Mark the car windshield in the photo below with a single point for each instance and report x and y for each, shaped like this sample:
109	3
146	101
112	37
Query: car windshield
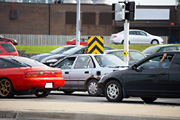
60	50
109	61
27	62
72	51
151	50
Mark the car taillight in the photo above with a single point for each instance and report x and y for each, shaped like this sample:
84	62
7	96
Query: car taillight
114	36
43	74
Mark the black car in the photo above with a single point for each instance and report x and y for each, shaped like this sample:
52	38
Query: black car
76	50
156	76
59	50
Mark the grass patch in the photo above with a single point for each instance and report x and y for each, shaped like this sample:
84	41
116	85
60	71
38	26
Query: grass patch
47	49
36	49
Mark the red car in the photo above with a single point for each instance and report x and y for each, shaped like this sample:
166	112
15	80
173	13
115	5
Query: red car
83	41
3	39
7	48
20	76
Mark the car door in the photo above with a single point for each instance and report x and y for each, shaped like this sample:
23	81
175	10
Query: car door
149	78
133	37
66	66
81	71
143	38
174	86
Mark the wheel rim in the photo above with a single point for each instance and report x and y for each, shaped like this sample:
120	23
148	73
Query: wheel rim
40	93
112	91
4	87
155	42
93	88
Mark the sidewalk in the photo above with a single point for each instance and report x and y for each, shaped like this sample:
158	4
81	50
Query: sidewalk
86	111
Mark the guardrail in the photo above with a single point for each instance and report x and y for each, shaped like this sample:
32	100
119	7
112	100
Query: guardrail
46	40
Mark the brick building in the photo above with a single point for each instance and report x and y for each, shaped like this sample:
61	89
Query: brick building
60	19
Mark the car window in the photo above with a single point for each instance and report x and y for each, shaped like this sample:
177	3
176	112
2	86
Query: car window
141	33
0	51
8	47
60	50
135	56
8	64
151	50
75	50
171	48
26	62
132	32
109	60
85	40
83	62
66	63
157	62
176	62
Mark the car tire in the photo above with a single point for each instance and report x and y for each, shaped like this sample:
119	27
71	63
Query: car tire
122	42
148	100
154	42
113	91
6	88
92	87
44	93
68	92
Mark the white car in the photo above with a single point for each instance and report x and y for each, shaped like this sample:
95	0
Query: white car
136	37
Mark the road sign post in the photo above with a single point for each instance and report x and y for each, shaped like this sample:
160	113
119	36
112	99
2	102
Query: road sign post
126	42
78	24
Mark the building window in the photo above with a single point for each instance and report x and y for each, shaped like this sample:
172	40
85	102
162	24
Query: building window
88	18
70	18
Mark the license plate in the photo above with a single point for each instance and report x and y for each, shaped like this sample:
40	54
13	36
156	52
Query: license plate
49	85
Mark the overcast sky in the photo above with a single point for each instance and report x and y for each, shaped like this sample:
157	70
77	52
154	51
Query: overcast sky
150	2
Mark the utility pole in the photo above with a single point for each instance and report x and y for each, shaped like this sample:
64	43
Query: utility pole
78	23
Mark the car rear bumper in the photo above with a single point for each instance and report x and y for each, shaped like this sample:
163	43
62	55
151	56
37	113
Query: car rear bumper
40	83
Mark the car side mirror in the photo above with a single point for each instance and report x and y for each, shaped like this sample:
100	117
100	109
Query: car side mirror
134	67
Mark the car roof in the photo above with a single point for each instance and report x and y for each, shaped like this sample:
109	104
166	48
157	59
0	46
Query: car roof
5	43
107	51
87	55
156	54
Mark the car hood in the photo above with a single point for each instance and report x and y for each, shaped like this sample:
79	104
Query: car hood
39	57
119	75
55	56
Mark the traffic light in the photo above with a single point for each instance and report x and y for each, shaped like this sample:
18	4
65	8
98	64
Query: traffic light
119	11
130	11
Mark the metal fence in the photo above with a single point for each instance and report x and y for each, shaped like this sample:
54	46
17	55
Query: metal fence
46	40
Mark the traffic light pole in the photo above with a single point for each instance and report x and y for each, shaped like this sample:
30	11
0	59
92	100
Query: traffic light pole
78	24
126	42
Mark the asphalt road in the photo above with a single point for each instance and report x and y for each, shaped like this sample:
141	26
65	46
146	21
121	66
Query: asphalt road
58	96
81	106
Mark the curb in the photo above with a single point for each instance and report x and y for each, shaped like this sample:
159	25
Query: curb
29	115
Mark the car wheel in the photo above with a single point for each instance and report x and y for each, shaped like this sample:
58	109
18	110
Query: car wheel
113	91
44	93
154	42
6	88
92	87
122	42
148	100
68	92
